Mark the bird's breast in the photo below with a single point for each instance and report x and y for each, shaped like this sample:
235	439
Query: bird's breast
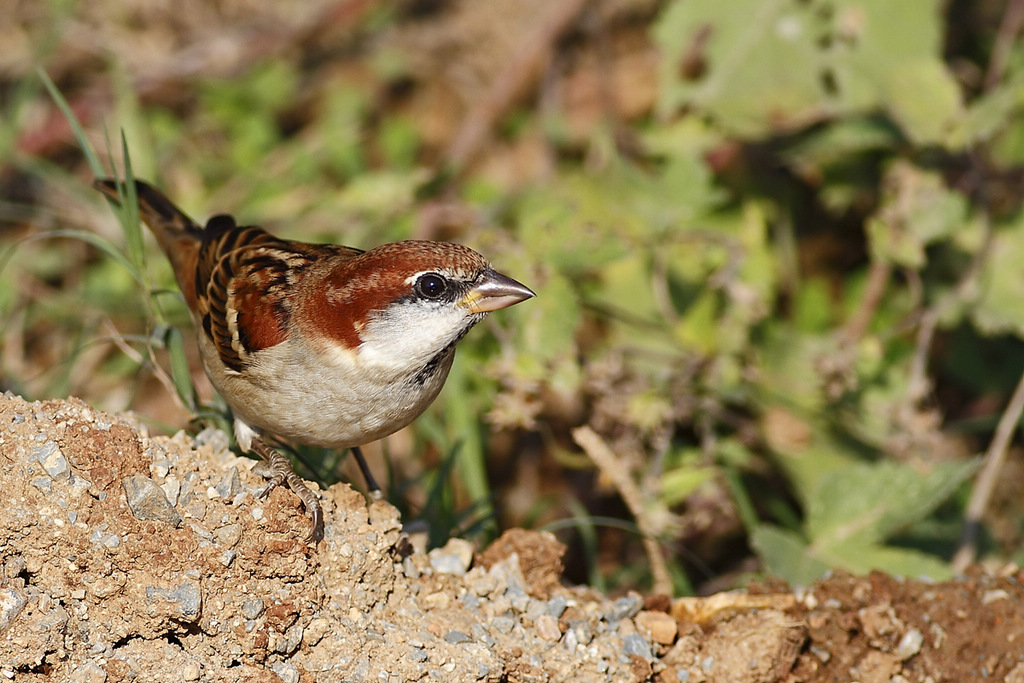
334	400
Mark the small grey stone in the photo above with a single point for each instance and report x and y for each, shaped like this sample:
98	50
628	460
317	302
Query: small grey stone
556	605
707	664
229	535
535	609
44	484
107	540
683	675
72	516
582	631
252	607
53	461
229	485
910	644
418	655
518	597
11	604
447	564
502	624
18	418
227	557
148	502
172	489
470	601
290	641
634	644
286	672
454	558
480	633
624	608
196	509
456	637
187	595
160	468
570	641
217	439
482	671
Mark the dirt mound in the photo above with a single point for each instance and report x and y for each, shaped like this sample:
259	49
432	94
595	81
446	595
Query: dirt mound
130	557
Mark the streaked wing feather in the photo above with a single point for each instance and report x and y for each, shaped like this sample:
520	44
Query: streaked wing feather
246	279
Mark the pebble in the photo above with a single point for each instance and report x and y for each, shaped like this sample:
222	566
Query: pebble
455	637
518	597
252	607
187	596
148	502
582	631
624	608
910	644
636	645
480	633
229	485
289	642
547	628
53	461
191	671
286	672
160	468
229	535
454	557
502	624
418	655
11	604
172	489
662	627
556	606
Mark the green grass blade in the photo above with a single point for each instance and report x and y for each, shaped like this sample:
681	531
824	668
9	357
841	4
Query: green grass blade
76	127
99	242
179	368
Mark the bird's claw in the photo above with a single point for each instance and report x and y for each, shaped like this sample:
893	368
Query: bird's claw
277	470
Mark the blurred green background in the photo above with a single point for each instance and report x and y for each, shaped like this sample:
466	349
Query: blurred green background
778	247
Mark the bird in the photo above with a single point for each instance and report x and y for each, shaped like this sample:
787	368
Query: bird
320	344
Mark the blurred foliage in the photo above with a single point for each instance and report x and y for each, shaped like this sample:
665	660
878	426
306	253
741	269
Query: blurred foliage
777	249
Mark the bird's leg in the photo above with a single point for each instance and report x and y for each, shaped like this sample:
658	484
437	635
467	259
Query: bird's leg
372	487
277	470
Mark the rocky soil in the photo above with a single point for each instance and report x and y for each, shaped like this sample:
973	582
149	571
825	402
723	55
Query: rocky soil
130	557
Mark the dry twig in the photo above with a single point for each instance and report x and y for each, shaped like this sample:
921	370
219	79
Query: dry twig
985	484
606	460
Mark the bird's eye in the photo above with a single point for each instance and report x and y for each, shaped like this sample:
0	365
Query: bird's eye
431	286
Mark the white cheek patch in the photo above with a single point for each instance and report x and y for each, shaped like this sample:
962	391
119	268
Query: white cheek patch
406	337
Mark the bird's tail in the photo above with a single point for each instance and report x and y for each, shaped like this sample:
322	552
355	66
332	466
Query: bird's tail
179	236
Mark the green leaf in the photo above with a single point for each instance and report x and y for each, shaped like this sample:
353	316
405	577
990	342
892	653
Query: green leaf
861	559
762	63
998	309
869	502
677	484
784	553
917	210
878	63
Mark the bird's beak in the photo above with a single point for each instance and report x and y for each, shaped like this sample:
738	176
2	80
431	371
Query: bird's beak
494	291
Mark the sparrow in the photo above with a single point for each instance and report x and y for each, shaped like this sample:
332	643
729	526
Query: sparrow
320	344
